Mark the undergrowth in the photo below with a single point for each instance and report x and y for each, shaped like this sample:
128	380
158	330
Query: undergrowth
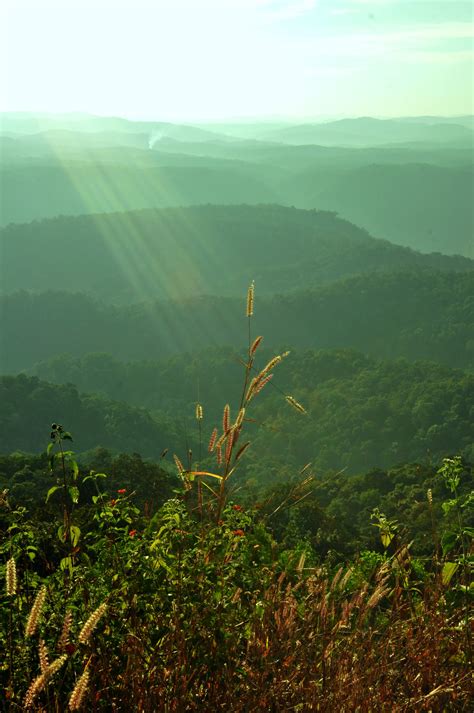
196	606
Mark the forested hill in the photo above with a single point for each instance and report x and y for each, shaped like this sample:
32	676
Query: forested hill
176	252
417	315
29	406
361	412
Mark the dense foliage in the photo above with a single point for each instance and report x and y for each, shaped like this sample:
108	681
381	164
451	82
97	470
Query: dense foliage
27	402
420	315
179	606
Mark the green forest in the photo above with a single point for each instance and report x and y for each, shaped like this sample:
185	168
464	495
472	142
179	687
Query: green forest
236	414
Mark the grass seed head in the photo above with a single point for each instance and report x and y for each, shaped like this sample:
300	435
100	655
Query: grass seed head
296	405
178	464
250	298
226	418
212	441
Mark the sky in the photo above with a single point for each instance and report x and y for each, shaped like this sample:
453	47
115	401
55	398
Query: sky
210	60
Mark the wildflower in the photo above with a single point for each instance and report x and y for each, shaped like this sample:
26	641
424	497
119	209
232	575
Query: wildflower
238	533
122	491
40	682
91	623
63	642
79	690
11	577
43	655
238	508
132	533
35	613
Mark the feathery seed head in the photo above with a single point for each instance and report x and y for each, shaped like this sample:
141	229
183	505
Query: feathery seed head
255	345
91	623
226	418
178	464
79	691
11	577
64	638
251	389
212	441
240	418
35	613
228	448
199	412
272	363
40	682
295	404
250	297
261	384
43	655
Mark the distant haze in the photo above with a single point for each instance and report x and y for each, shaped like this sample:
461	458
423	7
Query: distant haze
206	60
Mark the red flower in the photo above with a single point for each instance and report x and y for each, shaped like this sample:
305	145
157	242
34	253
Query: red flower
240	533
132	533
239	508
122	491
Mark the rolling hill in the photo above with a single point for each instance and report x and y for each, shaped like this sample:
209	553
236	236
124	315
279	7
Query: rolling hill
176	253
416	315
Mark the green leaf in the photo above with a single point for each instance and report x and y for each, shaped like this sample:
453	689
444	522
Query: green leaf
52	490
66	563
74	493
74	468
386	538
49	448
449	568
75	534
448	541
67	436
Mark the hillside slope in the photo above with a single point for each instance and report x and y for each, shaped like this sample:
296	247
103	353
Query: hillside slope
173	253
417	315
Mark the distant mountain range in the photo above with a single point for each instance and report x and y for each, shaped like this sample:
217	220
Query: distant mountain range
407	180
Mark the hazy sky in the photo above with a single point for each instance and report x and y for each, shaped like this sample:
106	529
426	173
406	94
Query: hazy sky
209	59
